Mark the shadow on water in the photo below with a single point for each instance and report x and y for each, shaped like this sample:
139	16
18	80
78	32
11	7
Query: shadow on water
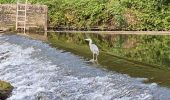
157	74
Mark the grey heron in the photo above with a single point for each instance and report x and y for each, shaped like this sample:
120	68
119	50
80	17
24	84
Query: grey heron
94	49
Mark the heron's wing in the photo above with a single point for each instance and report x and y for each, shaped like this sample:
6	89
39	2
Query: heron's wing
94	49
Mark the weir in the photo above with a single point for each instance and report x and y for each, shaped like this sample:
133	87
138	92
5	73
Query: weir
52	74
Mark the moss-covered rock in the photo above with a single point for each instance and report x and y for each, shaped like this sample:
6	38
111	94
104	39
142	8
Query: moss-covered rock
5	90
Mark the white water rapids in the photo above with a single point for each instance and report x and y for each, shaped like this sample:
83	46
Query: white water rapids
40	72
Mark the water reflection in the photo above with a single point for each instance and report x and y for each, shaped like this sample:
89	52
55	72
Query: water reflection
120	51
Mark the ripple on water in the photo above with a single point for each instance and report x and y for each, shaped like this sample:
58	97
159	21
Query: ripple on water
38	71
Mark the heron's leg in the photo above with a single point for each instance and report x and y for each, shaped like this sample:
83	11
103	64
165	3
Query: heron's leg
96	57
92	60
93	56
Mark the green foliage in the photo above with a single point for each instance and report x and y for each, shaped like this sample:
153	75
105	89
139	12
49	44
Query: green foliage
7	1
153	14
149	14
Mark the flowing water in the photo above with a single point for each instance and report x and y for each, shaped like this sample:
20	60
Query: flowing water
40	72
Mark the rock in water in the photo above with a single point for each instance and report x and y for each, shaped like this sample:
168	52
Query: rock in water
5	90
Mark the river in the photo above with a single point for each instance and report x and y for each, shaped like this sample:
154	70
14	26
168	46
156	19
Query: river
38	71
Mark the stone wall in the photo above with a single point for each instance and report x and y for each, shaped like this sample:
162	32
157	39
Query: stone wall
36	16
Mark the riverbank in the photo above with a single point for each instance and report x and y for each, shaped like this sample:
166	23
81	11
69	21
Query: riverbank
5	90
